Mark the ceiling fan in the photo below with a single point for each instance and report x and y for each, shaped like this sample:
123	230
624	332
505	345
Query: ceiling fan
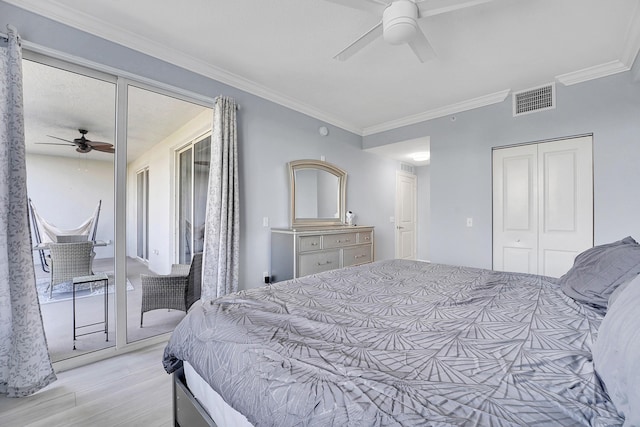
399	24
82	144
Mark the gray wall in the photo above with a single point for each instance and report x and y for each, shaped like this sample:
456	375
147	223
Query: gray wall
460	169
269	137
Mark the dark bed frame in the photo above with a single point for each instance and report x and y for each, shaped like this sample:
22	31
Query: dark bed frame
187	411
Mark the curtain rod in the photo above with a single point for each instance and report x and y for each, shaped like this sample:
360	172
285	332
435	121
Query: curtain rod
5	37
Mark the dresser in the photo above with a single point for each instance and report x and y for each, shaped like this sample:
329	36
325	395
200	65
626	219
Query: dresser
297	252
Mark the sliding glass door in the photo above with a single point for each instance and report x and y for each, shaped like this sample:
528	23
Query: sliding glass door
142	214
103	146
161	130
193	181
70	134
184	205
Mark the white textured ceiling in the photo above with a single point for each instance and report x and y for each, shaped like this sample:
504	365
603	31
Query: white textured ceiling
58	102
282	50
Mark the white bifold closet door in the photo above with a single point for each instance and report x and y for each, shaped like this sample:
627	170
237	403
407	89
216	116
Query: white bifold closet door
542	205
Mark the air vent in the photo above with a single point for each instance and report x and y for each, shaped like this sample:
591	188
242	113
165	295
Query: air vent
533	100
405	167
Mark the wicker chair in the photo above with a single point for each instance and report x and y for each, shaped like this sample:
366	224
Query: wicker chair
68	261
177	291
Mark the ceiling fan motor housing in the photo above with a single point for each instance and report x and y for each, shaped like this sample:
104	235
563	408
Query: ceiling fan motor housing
399	22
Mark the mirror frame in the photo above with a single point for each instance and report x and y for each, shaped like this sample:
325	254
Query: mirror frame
342	188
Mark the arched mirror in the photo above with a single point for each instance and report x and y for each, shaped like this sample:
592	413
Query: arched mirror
317	193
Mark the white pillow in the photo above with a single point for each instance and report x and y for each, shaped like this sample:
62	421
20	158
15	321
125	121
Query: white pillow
614	296
616	353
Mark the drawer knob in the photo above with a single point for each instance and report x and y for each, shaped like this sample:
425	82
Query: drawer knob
345	241
324	263
359	256
314	244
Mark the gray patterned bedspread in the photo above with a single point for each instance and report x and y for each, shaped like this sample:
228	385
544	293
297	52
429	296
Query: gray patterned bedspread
400	343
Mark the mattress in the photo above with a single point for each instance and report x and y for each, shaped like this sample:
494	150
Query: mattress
399	343
219	411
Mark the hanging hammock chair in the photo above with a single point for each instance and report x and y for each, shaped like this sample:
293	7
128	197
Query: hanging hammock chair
45	232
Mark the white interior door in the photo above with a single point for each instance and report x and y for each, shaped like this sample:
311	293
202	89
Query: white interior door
515	212
405	223
543	205
566	206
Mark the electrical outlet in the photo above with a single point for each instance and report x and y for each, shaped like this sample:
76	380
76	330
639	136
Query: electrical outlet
265	221
469	222
266	277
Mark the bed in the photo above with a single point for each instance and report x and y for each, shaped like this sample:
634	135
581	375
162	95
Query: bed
409	343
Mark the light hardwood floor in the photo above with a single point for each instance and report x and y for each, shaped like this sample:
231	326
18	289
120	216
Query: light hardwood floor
128	390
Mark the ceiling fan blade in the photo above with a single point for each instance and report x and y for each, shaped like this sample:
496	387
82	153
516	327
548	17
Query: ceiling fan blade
54	143
96	144
61	139
104	148
357	45
436	7
373	6
421	47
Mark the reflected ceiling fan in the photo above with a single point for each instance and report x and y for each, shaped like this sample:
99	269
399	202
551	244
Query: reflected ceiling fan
399	24
82	144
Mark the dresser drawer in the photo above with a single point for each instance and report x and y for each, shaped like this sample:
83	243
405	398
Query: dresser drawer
339	240
357	255
316	262
365	237
308	243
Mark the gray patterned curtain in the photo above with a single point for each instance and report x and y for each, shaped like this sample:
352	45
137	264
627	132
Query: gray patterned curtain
25	366
222	223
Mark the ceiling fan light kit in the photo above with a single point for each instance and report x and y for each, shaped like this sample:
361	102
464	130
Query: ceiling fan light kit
399	22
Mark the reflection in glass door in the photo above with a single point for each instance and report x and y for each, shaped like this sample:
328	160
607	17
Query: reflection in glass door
160	125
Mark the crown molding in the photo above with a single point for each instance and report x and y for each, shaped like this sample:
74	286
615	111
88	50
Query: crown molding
590	73
482	101
89	24
628	55
632	39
